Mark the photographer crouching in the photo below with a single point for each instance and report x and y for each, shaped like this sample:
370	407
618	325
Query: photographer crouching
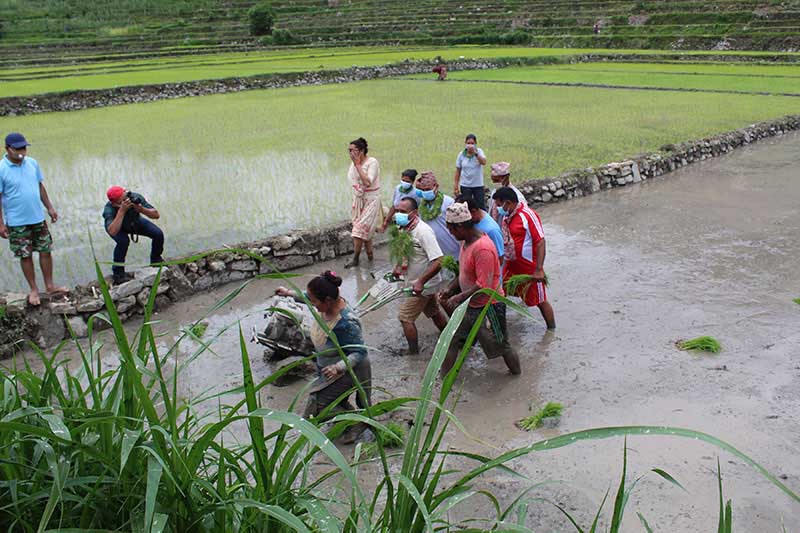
124	222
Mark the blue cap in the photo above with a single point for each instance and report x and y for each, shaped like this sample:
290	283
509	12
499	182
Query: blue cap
16	140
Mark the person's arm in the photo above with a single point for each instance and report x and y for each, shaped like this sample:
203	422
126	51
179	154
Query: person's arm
388	219
116	224
349	335
367	177
433	268
480	156
485	263
457	180
3	227
538	274
46	201
149	212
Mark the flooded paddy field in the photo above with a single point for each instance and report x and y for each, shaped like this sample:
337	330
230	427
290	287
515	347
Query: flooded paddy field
706	250
236	167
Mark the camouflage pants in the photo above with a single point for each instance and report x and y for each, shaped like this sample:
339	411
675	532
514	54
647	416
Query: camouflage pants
24	240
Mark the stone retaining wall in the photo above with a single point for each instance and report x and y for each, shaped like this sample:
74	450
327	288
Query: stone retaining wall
47	324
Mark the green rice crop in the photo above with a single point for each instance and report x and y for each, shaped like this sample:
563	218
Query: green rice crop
97	448
273	163
450	263
797	301
703	344
550	409
401	246
746	78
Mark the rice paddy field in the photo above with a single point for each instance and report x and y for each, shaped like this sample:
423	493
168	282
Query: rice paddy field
235	167
116	71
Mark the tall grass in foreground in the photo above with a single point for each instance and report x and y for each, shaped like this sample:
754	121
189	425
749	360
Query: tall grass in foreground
92	449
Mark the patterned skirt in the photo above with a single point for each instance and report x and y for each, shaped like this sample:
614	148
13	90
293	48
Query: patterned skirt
366	215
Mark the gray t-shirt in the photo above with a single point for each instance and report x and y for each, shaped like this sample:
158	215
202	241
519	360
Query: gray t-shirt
471	169
426	249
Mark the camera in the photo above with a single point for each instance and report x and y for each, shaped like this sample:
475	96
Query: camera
135	200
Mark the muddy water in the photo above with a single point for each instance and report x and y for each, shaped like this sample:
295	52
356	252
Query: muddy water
709	250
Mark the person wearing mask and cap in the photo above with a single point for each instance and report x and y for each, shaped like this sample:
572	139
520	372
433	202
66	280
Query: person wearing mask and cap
525	249
433	205
479	268
123	220
422	270
404	189
501	177
22	222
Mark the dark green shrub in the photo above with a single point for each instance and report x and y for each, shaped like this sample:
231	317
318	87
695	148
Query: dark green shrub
261	17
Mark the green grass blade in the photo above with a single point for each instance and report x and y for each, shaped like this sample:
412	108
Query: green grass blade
154	472
255	425
645	525
274	511
619	501
669	478
417	497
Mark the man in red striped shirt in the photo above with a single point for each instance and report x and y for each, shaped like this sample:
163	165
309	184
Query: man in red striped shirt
524	250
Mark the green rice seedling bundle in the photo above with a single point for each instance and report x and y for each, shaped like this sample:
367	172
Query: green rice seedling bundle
702	344
551	409
519	284
401	246
450	263
797	301
395	439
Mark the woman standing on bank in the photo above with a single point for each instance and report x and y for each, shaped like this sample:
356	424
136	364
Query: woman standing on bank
469	172
366	212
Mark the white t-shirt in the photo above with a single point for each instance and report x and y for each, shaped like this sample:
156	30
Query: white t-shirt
426	249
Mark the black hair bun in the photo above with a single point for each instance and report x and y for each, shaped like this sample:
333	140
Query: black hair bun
331	277
411	173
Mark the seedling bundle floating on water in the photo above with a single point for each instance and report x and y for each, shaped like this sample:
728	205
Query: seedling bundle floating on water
550	410
702	344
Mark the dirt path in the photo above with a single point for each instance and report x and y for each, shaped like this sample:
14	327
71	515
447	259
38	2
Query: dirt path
707	250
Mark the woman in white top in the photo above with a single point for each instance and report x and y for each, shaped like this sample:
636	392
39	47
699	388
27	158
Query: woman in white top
366	211
469	172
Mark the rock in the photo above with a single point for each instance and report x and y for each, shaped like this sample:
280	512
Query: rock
65	307
48	329
148	275
288	262
593	183
90	305
620	181
191	267
558	185
203	283
78	326
181	288
629	178
143	296
16	303
546	196
637	177
125	304
244	265
283	242
128	288
552	187
327	251
216	266
162	301
559	193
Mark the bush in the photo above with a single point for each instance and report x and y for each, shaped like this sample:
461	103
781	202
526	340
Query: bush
285	37
261	17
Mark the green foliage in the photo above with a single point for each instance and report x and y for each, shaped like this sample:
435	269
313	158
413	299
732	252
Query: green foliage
261	17
797	301
122	448
3	311
401	246
450	263
392	437
518	284
198	329
725	509
551	409
703	344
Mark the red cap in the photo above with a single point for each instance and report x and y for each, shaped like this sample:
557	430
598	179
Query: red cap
115	192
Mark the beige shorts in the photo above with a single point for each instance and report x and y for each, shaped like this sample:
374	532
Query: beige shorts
413	306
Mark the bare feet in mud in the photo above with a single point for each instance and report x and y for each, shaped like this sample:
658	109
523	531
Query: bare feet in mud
33	298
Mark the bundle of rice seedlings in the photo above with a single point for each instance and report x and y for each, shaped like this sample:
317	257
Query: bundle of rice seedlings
401	246
395	439
449	263
703	344
797	301
519	284
551	409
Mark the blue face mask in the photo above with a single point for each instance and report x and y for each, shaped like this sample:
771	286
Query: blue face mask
405	186
401	219
502	211
426	195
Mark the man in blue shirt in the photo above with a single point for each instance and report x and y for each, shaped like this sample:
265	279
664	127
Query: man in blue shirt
485	223
22	222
